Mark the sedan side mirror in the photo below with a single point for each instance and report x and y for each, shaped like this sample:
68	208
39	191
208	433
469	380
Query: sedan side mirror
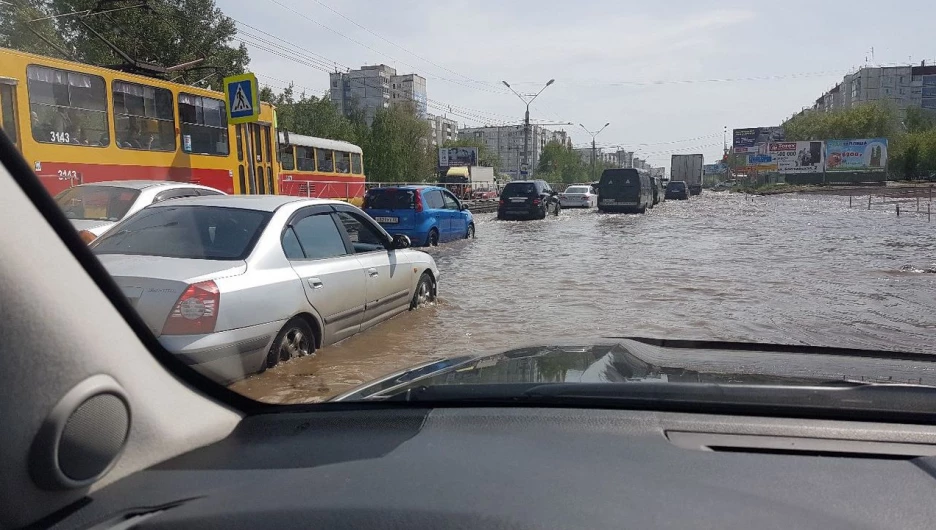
401	241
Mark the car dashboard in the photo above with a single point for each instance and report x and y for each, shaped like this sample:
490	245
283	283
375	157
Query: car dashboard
401	467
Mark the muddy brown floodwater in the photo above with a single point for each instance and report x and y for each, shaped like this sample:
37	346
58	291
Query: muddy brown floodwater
788	269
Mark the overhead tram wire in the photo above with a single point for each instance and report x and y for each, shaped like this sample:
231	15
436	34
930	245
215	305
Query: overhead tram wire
359	43
471	114
414	54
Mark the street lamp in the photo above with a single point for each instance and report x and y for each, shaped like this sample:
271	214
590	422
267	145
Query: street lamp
526	118
594	148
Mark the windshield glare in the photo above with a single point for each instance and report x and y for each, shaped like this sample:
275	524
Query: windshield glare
97	203
401	193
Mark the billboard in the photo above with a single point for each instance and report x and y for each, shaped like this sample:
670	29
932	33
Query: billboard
747	140
760	162
458	156
797	157
856	155
715	169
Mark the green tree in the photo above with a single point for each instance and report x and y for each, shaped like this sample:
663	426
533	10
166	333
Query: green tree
161	32
397	147
560	163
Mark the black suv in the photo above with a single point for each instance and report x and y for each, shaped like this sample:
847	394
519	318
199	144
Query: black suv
527	199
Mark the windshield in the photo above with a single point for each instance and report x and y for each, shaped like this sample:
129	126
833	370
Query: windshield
194	232
389	199
97	203
757	173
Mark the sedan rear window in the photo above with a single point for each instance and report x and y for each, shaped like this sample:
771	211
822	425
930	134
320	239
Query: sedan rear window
389	199
98	203
577	189
193	232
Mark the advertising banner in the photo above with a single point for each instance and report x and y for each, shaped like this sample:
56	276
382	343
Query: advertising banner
760	162
856	155
458	156
797	157
747	140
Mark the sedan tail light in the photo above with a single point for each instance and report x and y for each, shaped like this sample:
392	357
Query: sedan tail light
536	202
196	311
87	236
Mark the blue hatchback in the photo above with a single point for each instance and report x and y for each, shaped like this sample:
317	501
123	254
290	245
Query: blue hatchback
428	215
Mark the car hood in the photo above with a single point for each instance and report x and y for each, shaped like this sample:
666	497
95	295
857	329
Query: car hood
94	226
661	361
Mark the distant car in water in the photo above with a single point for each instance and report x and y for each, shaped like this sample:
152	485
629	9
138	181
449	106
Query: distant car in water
234	285
578	196
428	215
659	190
677	189
95	208
527	199
625	190
480	195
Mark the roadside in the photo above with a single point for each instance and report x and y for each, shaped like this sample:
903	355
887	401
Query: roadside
889	188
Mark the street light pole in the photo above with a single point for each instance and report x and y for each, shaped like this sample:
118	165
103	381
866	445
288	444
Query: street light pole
526	118
594	156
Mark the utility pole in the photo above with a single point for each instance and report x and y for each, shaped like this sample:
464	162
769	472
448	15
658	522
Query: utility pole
594	149
526	120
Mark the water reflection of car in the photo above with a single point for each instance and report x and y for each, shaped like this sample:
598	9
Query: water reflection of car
428	215
678	190
233	285
527	199
94	208
578	196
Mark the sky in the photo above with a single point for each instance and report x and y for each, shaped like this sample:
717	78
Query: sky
668	76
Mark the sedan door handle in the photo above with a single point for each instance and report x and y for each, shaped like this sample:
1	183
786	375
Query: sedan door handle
315	283
372	272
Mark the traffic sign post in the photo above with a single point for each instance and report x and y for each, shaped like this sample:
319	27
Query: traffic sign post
241	95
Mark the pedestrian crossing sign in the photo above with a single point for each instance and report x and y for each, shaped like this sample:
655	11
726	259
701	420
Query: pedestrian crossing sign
240	92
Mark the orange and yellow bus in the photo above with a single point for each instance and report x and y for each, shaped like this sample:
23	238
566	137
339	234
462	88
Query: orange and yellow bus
77	123
320	168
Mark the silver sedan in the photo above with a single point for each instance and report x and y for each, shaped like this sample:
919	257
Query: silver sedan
578	196
235	284
94	208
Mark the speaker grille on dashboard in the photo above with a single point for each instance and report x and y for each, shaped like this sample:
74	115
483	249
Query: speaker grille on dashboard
83	435
93	436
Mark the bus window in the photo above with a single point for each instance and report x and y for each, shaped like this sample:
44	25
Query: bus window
326	161
356	166
6	111
342	162
143	117
204	125
304	158
286	158
67	107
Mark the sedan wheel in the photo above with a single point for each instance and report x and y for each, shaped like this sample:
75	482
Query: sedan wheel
425	291
293	341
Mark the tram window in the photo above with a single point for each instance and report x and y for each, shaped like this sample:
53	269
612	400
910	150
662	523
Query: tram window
342	162
239	130
356	167
267	144
6	111
67	107
203	125
326	161
287	161
304	158
143	117
258	144
270	185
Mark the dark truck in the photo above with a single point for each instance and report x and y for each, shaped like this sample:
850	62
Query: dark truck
625	190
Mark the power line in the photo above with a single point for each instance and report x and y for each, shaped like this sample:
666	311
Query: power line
359	43
290	54
414	54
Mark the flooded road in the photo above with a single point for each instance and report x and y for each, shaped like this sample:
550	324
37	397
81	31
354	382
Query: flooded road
788	269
